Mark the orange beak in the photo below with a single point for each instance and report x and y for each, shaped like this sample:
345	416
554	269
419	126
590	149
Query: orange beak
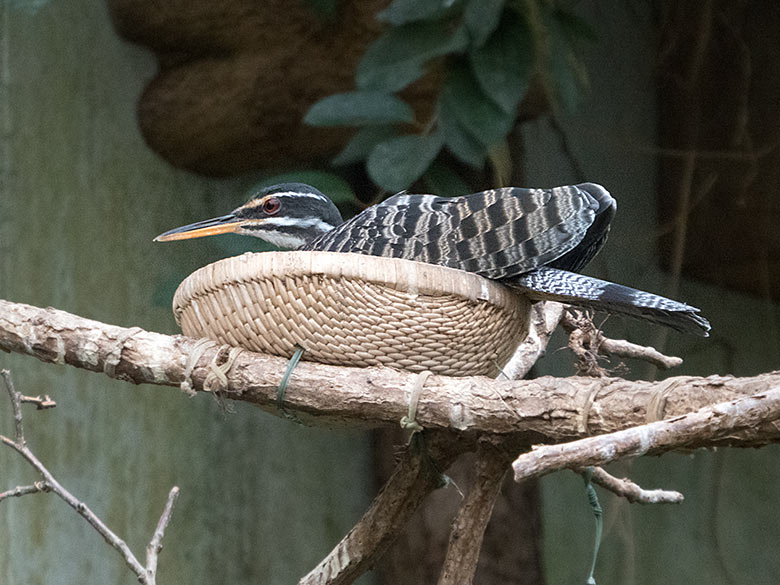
211	227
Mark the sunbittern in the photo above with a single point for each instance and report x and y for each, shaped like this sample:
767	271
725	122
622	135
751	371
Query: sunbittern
534	240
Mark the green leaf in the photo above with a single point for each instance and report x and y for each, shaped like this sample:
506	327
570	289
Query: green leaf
459	142
404	11
332	185
359	108
475	111
503	65
482	18
564	69
442	180
398	57
397	163
362	143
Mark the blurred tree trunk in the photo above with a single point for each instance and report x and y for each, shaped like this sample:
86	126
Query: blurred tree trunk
81	198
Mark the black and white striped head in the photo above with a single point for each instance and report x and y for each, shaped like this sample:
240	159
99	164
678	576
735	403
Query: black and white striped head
288	215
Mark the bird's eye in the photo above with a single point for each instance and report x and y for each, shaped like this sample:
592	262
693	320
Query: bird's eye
272	205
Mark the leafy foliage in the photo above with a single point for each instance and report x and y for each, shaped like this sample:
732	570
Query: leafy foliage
489	51
399	56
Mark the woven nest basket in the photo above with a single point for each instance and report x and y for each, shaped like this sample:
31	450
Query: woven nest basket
355	310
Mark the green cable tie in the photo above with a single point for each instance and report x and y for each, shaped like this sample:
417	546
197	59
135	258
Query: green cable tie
598	515
283	385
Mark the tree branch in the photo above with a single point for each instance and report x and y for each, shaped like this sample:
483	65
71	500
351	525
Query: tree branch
410	483
40	402
588	342
625	488
460	414
155	544
545	409
468	527
687	431
544	319
39	487
417	473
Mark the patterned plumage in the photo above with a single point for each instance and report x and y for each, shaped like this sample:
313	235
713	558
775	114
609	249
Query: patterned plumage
498	234
530	239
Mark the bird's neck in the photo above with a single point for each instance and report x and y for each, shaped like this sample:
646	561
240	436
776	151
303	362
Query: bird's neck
292	234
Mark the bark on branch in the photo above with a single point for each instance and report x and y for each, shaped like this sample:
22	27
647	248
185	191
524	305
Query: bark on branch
707	424
468	526
544	410
417	473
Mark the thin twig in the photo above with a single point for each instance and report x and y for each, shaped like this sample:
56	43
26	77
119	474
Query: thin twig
40	402
623	348
81	508
16	405
38	487
625	488
155	545
146	575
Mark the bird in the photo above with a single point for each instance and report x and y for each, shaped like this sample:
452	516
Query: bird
531	239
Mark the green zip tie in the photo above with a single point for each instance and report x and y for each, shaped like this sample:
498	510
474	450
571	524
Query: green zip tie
598	515
283	385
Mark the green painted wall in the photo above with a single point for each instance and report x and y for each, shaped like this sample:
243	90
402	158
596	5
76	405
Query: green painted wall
81	198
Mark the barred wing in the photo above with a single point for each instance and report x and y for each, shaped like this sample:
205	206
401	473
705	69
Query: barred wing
499	233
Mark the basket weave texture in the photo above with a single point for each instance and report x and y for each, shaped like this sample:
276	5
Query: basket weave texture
355	310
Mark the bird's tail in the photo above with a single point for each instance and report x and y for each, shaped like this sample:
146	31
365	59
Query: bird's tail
553	284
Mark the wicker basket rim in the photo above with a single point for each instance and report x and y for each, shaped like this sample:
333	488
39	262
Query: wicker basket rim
402	275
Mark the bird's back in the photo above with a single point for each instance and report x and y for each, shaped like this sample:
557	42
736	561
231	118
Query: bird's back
498	233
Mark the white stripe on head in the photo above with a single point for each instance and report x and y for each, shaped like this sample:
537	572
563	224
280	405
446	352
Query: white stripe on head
252	203
319	196
302	222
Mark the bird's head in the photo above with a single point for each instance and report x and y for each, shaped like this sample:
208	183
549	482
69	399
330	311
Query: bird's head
287	215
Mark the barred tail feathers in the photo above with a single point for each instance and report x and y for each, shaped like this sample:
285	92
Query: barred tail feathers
587	292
